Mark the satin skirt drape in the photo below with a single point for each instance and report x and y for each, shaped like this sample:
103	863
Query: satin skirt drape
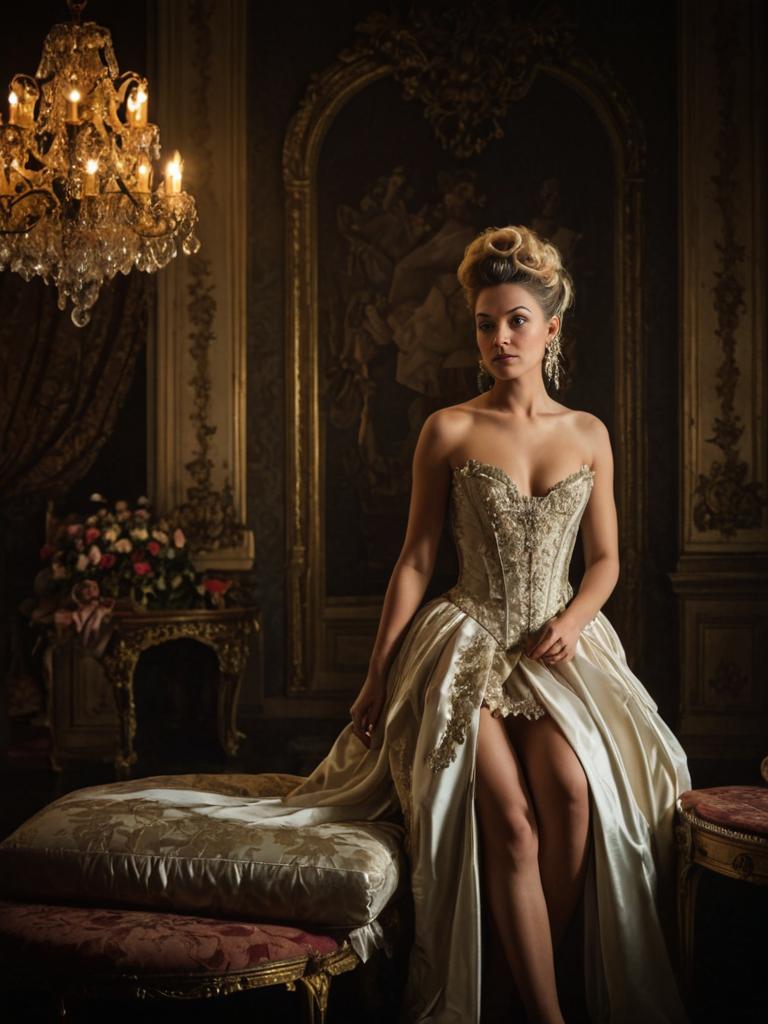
633	763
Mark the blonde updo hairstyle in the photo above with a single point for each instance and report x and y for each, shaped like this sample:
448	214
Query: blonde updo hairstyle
517	255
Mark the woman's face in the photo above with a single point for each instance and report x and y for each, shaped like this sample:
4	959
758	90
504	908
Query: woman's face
512	331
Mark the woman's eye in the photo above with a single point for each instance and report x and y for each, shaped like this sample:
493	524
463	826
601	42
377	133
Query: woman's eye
518	317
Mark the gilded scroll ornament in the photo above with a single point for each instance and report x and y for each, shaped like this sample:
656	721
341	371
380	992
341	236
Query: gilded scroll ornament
466	70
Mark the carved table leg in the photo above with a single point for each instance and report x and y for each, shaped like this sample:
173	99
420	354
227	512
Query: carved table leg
232	653
688	875
119	667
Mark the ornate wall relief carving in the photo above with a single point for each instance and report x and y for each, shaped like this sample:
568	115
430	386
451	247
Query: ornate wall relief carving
199	343
722	573
434	59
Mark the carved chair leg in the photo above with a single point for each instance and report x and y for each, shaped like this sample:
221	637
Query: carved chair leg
315	988
688	884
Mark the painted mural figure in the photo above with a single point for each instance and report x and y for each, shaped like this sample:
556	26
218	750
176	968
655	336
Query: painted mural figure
501	719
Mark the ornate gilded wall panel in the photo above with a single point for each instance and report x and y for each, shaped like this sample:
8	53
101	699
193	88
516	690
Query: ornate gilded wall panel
331	360
199	341
722	575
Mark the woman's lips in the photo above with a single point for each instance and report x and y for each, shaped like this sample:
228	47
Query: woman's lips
504	359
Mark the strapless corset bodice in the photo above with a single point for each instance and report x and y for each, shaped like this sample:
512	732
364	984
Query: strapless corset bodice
514	550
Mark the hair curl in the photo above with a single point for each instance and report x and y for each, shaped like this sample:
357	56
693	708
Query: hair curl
517	255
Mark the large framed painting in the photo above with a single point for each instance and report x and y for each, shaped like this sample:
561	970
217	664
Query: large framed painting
390	170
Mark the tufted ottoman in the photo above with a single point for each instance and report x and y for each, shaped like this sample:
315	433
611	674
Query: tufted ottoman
162	886
722	829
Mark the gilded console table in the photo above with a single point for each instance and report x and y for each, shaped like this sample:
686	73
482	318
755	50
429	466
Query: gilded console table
226	630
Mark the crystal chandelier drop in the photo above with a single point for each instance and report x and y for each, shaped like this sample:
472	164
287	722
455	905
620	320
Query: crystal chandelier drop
77	201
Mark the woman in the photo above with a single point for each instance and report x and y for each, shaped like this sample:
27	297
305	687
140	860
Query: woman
508	701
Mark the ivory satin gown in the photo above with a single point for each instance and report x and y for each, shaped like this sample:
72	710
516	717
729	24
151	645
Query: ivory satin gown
463	649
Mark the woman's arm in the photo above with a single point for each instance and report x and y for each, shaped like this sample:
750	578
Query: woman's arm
599	531
599	534
414	566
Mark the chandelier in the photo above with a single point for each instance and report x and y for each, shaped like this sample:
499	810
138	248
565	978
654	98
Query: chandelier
77	197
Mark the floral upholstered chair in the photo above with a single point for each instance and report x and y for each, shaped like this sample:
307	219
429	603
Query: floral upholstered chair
722	829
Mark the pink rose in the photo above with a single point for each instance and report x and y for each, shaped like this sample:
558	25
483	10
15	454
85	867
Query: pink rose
74	529
154	548
178	538
142	568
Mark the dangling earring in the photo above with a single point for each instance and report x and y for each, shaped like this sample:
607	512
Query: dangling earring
552	361
485	380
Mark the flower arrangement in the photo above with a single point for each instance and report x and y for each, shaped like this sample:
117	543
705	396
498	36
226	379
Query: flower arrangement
124	555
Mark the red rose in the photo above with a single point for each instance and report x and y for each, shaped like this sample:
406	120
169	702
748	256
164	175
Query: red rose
217	586
46	552
107	561
142	568
154	548
91	534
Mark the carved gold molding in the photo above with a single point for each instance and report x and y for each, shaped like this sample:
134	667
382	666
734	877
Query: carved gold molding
199	341
381	41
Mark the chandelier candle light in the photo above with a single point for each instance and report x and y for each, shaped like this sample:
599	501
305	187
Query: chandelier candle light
76	151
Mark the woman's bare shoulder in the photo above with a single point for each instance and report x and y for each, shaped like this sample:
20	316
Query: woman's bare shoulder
443	431
591	431
451	422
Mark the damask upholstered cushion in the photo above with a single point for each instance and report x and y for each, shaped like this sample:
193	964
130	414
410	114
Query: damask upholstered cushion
741	808
184	844
142	942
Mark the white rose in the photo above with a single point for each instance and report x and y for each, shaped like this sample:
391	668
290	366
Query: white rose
82	563
176	581
94	554
139	533
124	545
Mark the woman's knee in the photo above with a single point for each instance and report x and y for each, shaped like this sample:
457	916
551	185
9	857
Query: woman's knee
509	828
569	793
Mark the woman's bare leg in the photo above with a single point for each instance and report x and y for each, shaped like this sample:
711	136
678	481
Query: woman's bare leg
511	870
560	792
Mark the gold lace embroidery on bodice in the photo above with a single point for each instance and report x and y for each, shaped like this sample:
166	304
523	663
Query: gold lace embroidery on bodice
514	552
514	549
